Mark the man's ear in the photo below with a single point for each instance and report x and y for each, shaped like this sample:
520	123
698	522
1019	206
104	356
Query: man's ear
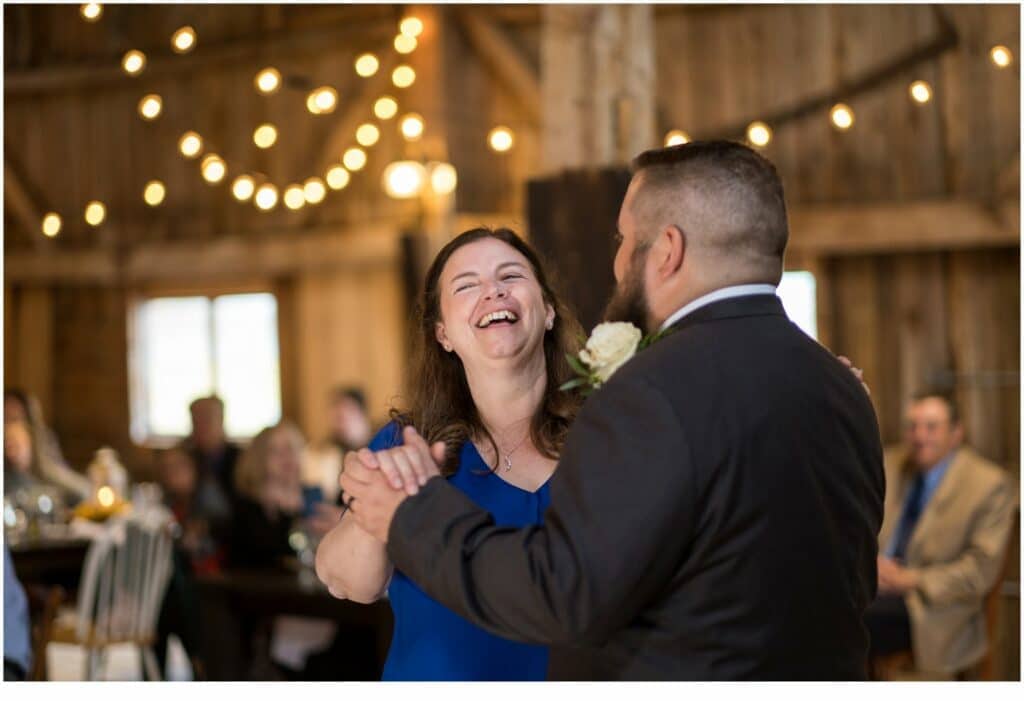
669	250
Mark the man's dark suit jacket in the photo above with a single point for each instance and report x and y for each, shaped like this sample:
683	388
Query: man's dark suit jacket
714	515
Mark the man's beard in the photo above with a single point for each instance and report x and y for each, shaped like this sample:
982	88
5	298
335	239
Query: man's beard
628	302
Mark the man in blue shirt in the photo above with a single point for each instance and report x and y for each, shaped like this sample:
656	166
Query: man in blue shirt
17	637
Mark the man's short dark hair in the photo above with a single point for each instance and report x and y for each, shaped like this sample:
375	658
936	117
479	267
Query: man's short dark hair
354	393
742	188
944	395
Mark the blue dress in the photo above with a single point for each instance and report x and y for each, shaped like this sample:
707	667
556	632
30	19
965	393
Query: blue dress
432	643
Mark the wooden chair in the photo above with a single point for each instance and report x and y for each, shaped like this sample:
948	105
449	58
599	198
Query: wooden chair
124	578
44	603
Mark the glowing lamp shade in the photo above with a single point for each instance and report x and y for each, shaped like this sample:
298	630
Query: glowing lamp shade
385	108
338	178
443	178
265	135
354	159
411	26
403	76
367	65
920	91
95	213
294	197
367	134
323	100
183	40
91	11
841	116
51	224
676	137
214	169
268	81
405	44
404	179
1001	56
412	127
501	139
266	197
243	187
133	62
759	134
190	144
154	193
314	190
150	107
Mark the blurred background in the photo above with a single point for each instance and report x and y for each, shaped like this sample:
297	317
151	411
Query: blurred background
241	201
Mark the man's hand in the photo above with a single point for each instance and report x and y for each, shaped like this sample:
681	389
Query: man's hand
373	482
857	372
894	578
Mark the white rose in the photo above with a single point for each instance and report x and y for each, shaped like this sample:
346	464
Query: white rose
609	346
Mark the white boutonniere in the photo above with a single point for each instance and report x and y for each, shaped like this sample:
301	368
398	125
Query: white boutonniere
610	345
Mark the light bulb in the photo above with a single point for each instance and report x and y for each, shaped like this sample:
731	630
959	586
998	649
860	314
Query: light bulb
190	144
405	44
403	76
265	135
150	107
338	178
412	127
133	62
314	190
183	40
404	179
411	26
268	81
95	213
294	198
500	139
676	137
214	169
759	134
920	91
354	159
91	11
367	65
243	187
841	116
51	224
154	193
323	100
385	108
1001	56
443	178
266	197
367	134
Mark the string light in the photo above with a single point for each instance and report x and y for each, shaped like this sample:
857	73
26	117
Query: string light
150	107
133	62
214	169
405	44
338	178
51	224
367	65
268	81
501	139
95	213
105	496
154	193
266	197
190	144
841	116
385	108
265	135
412	127
354	159
1001	56
443	178
314	190
91	11
183	40
759	134
920	91
367	134
294	198
411	26
243	187
676	137
403	76
323	100
403	179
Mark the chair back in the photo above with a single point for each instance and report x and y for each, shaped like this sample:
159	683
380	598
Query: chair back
124	578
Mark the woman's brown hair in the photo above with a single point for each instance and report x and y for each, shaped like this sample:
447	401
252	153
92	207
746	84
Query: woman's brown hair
440	404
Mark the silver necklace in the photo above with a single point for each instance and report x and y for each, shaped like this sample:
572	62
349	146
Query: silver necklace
508	455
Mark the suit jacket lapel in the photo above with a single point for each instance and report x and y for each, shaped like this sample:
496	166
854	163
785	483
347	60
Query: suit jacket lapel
943	496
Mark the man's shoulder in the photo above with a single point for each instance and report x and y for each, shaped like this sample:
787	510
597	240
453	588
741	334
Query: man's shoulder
984	473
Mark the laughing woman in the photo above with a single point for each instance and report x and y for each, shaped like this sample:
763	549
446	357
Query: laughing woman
491	354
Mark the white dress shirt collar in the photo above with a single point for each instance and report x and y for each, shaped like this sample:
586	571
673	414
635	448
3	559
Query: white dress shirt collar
717	296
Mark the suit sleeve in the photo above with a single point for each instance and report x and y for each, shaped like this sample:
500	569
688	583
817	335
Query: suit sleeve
621	516
972	575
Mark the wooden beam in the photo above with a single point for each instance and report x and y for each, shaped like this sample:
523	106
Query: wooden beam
365	27
503	60
20	196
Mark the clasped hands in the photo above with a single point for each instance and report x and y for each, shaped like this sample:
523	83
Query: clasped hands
376	483
894	578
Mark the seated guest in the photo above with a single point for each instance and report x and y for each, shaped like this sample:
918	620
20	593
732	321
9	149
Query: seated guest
26	468
349	430
47	464
17	631
214	454
948	514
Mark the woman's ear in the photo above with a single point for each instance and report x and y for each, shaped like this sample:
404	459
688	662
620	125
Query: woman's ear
442	336
549	317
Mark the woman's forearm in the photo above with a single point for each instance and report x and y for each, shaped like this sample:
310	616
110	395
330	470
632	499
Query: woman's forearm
352	563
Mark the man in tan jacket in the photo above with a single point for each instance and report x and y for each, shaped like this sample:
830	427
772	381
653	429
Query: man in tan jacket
948	515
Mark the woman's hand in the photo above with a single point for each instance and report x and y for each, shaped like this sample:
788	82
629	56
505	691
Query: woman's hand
857	372
407	466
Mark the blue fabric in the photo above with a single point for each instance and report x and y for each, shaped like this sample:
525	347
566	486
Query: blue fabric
921	492
17	638
431	642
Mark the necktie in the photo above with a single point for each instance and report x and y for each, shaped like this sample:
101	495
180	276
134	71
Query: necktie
911	512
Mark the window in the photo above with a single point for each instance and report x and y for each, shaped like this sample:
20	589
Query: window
189	347
799	297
